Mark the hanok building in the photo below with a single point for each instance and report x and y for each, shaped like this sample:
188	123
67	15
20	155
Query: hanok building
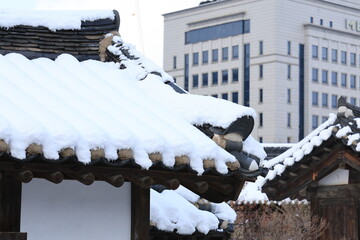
73	120
288	59
324	168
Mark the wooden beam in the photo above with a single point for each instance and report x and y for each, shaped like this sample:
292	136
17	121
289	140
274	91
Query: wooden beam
13	236
144	182
84	178
24	176
197	187
54	177
115	180
10	204
140	213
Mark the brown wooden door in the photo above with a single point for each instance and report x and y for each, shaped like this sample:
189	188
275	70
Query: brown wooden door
342	215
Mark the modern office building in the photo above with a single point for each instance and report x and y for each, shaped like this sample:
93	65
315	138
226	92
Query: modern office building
290	60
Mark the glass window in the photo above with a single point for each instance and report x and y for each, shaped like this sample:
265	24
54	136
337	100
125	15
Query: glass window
321	22
205	57
324	98
288	95
261	47
289	71
324	75
315	101
218	31
261	71
215	55
331	24
334	54
315	121
225	53
224	74
224	96
261	95
334	101
235	51
314	51
353	101
324	119
311	20
315	74
324	53
174	62
214	95
186	72
289	119
343	79
235	74
205	79
195	58
352	81
289	48
195	81
235	97
260	139
334	78
214	78
260	119
343	57
353	59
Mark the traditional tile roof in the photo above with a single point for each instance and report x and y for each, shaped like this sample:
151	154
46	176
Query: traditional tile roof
341	130
50	33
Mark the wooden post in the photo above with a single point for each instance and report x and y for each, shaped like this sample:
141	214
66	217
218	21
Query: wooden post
10	204
140	213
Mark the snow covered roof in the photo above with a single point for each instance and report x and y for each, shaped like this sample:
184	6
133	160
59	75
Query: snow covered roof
93	105
343	128
53	20
187	216
47	34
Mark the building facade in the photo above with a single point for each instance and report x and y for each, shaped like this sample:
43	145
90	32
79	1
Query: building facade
290	60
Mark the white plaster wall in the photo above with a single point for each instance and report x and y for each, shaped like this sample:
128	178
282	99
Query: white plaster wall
73	211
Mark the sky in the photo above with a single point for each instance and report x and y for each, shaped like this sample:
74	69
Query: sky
141	21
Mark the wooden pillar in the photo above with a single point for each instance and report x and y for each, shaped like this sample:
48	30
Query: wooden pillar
140	213
10	204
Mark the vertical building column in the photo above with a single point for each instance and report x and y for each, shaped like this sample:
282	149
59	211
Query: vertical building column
140	213
10	204
301	91
186	72
246	71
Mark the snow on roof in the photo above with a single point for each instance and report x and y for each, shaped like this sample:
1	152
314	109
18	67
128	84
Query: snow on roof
90	105
184	216
54	20
194	109
296	153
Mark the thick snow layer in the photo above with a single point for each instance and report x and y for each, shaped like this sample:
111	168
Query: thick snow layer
88	105
187	194
250	145
175	209
171	211
54	20
251	193
195	109
223	211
